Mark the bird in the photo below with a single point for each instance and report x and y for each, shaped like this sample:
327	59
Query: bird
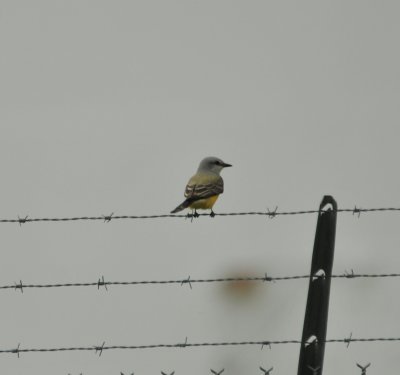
204	187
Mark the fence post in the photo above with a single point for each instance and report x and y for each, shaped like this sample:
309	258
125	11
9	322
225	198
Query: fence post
316	317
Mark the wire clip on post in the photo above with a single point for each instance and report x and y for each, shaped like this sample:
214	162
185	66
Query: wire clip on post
316	317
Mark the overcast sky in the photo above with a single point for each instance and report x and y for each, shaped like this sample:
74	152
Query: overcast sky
109	106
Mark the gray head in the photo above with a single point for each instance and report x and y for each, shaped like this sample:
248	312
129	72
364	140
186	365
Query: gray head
212	164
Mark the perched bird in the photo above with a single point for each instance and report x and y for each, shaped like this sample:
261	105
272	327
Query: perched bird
204	187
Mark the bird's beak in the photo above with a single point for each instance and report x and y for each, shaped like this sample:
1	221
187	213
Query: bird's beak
226	165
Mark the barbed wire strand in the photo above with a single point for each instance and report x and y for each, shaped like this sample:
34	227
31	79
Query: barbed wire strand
99	349
102	282
268	213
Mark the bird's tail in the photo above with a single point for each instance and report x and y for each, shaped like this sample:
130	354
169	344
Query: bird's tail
181	207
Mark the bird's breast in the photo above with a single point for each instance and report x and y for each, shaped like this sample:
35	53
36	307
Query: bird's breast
204	204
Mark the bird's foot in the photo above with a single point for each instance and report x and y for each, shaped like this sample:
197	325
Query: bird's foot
191	215
212	213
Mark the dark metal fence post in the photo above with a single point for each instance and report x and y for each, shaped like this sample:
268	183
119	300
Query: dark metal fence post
316	317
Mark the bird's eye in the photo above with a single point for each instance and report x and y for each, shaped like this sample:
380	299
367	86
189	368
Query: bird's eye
217	162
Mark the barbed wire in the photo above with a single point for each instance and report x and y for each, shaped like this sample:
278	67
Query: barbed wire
101	282
271	214
263	370
98	349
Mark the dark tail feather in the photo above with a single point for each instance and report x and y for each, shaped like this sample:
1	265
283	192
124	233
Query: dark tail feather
182	206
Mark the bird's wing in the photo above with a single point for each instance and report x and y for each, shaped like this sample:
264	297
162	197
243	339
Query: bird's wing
204	186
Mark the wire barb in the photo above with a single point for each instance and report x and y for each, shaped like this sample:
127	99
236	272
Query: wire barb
266	372
217	373
107	218
19	286
266	278
101	282
187	281
272	214
183	345
99	348
357	211
192	215
350	274
314	370
16	350
363	368
266	343
348	340
22	220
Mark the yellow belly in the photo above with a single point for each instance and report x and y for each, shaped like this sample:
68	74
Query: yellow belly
204	204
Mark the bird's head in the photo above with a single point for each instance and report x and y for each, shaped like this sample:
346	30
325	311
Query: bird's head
212	164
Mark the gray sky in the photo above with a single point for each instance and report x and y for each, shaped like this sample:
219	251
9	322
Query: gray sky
109	107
